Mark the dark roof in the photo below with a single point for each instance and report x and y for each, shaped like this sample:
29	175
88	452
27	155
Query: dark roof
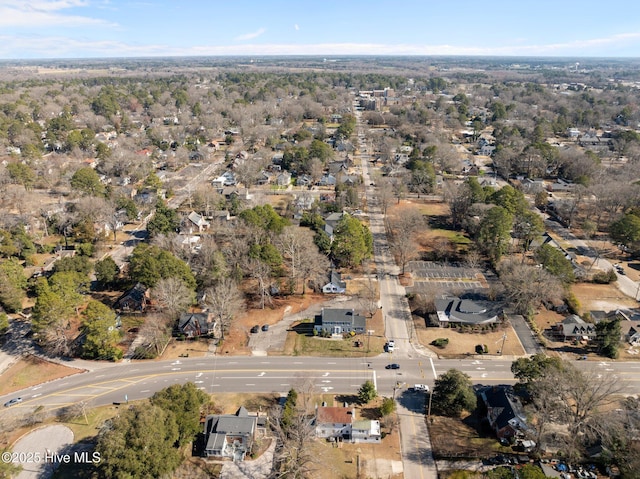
458	310
135	295
507	409
336	279
199	321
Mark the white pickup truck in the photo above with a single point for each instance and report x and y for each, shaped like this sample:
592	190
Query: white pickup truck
421	387
391	345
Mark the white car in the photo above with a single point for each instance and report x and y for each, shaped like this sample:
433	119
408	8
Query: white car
421	387
391	345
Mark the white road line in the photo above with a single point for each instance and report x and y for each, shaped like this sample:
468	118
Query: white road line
375	381
250	384
145	390
433	368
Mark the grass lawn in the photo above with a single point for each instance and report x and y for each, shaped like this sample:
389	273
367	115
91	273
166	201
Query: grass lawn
31	371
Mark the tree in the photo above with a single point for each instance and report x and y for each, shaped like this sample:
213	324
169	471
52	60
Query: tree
367	392
527	226
403	228
224	300
493	234
608	335
50	318
22	174
187	416
555	262
526	286
165	220
101	335
528	370
87	181
453	393
173	296
264	217
626	230
140	443
106	271
352	242
289	409
387	407
149	264
510	199
12	285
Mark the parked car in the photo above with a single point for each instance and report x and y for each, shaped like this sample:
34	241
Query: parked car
265	327
12	402
255	329
392	366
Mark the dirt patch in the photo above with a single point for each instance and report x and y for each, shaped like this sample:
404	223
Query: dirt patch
601	297
462	438
31	371
464	343
185	349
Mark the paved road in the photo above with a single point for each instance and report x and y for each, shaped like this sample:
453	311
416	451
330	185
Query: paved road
37	451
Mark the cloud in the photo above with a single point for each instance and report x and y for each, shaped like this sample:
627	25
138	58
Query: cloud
33	46
295	26
252	35
44	13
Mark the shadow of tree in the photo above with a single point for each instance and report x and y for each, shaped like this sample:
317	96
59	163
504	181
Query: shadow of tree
303	328
414	401
347	398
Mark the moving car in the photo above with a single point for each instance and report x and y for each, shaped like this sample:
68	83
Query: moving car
255	329
265	327
12	402
391	345
392	366
421	387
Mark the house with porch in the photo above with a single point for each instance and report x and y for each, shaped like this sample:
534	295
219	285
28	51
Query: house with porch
574	328
135	300
339	321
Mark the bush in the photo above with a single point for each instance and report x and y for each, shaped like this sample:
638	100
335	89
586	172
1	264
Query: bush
85	249
440	342
482	349
142	352
572	303
604	277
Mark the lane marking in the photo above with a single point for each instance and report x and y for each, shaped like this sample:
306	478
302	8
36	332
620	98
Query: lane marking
433	368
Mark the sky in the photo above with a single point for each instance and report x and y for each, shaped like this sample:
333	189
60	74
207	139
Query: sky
35	29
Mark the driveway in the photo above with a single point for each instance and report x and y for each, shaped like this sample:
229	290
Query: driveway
33	447
274	339
256	469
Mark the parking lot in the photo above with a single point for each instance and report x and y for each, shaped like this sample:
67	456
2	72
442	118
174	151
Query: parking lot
428	275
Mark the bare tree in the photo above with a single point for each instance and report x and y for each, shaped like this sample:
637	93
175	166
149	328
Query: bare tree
384	193
261	272
156	332
314	267
295	243
403	228
294	458
526	286
224	300
173	296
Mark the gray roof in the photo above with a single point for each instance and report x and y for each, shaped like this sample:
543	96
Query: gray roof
343	316
238	423
465	311
574	325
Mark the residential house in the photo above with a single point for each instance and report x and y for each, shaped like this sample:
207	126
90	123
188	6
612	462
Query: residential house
335	284
196	221
339	321
134	300
574	328
465	311
230	435
226	179
264	178
632	336
221	216
193	325
327	180
283	179
304	180
504	412
340	424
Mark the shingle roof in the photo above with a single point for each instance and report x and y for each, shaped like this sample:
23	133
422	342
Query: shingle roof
334	415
